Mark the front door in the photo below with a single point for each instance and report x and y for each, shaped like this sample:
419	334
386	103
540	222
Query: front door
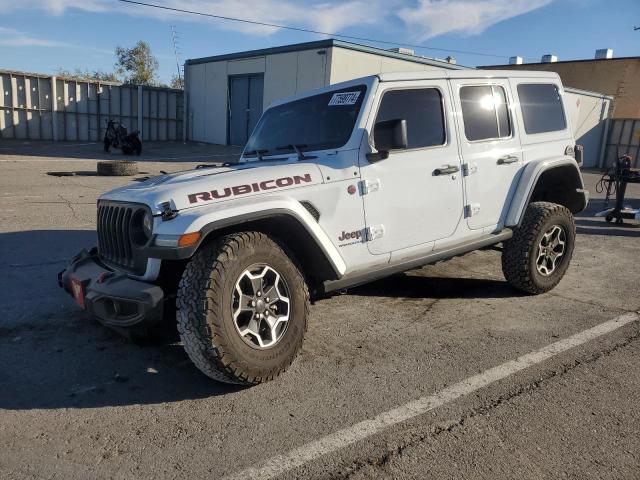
490	147
415	196
245	106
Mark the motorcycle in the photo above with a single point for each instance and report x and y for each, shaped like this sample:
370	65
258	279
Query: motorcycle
116	136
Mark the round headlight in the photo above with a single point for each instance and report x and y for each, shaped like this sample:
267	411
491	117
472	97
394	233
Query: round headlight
147	224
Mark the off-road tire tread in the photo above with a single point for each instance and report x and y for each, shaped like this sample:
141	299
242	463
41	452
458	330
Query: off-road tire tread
117	168
197	296
516	264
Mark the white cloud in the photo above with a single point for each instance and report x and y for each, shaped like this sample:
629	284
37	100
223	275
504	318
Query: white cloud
10	37
431	18
425	18
326	17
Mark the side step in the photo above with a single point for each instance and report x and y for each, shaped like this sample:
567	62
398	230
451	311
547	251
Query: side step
359	278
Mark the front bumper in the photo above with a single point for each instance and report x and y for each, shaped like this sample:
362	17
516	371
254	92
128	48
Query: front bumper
112	297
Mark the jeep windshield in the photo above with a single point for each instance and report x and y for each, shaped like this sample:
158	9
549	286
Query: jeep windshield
319	122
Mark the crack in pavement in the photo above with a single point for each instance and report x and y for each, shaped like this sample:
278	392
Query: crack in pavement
70	205
381	460
37	264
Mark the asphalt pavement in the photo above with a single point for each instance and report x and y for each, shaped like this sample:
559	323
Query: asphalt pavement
78	401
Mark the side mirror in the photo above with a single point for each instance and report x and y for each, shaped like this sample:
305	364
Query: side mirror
388	135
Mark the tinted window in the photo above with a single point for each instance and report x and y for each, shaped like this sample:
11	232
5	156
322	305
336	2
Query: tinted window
319	122
485	112
422	109
541	107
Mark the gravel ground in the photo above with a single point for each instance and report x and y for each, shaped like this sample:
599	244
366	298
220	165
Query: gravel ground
77	401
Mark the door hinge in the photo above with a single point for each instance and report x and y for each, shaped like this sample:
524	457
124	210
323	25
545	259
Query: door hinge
375	231
368	186
469	168
471	209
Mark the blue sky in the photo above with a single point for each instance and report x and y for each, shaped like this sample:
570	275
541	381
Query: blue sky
45	35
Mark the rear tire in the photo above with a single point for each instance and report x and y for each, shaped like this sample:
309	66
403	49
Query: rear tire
536	258
209	311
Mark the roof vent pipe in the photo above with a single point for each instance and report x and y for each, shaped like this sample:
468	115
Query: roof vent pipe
549	58
604	53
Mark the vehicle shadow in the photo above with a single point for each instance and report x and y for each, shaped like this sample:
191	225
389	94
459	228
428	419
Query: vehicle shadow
53	356
417	286
608	232
598	226
80	364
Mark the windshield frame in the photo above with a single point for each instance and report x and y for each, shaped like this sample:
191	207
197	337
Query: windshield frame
364	85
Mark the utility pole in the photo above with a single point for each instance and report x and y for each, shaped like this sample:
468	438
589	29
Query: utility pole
176	51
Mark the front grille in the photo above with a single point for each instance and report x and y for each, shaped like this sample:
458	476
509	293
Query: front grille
114	234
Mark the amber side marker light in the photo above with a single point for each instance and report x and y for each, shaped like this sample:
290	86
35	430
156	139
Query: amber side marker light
189	239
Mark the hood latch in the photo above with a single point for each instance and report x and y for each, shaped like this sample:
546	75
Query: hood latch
167	212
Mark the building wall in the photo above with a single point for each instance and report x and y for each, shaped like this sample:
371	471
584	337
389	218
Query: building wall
284	74
618	77
349	64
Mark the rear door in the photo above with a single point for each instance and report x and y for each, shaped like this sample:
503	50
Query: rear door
490	147
408	201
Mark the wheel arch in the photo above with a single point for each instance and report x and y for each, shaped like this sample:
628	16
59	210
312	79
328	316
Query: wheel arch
290	232
555	181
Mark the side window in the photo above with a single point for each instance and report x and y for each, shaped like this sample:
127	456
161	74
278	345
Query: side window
485	112
541	107
422	109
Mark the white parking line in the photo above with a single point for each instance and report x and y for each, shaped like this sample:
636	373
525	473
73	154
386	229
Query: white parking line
343	438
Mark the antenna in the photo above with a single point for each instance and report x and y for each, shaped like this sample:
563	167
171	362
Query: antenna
176	50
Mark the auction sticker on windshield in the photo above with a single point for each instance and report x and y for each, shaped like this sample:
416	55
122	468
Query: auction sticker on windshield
344	98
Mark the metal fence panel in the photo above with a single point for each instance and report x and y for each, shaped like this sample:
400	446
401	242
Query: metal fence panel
82	108
624	139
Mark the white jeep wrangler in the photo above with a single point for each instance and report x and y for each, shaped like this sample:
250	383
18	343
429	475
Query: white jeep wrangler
335	188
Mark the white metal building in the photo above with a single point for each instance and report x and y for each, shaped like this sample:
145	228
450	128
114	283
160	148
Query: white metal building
589	114
226	94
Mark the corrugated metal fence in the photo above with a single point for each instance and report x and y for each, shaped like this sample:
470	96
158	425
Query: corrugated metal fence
39	107
624	139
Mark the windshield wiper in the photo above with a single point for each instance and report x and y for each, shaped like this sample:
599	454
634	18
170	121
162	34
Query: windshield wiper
298	149
259	152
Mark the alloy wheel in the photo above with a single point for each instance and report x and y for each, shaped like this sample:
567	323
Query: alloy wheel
551	250
261	306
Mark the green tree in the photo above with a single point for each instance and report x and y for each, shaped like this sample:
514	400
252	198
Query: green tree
177	82
80	74
137	65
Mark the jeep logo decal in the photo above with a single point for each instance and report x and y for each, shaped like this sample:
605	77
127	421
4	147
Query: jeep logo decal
349	235
248	188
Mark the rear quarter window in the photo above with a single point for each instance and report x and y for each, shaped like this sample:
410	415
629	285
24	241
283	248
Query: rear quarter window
541	107
485	112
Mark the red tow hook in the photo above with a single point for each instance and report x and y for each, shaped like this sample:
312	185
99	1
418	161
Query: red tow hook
103	276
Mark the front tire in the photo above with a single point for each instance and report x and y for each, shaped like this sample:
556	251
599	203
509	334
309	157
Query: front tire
536	258
242	309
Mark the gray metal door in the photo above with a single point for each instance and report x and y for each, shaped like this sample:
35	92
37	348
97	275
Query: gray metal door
245	106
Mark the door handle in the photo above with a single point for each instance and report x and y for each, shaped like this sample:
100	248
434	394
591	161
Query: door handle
507	159
446	170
